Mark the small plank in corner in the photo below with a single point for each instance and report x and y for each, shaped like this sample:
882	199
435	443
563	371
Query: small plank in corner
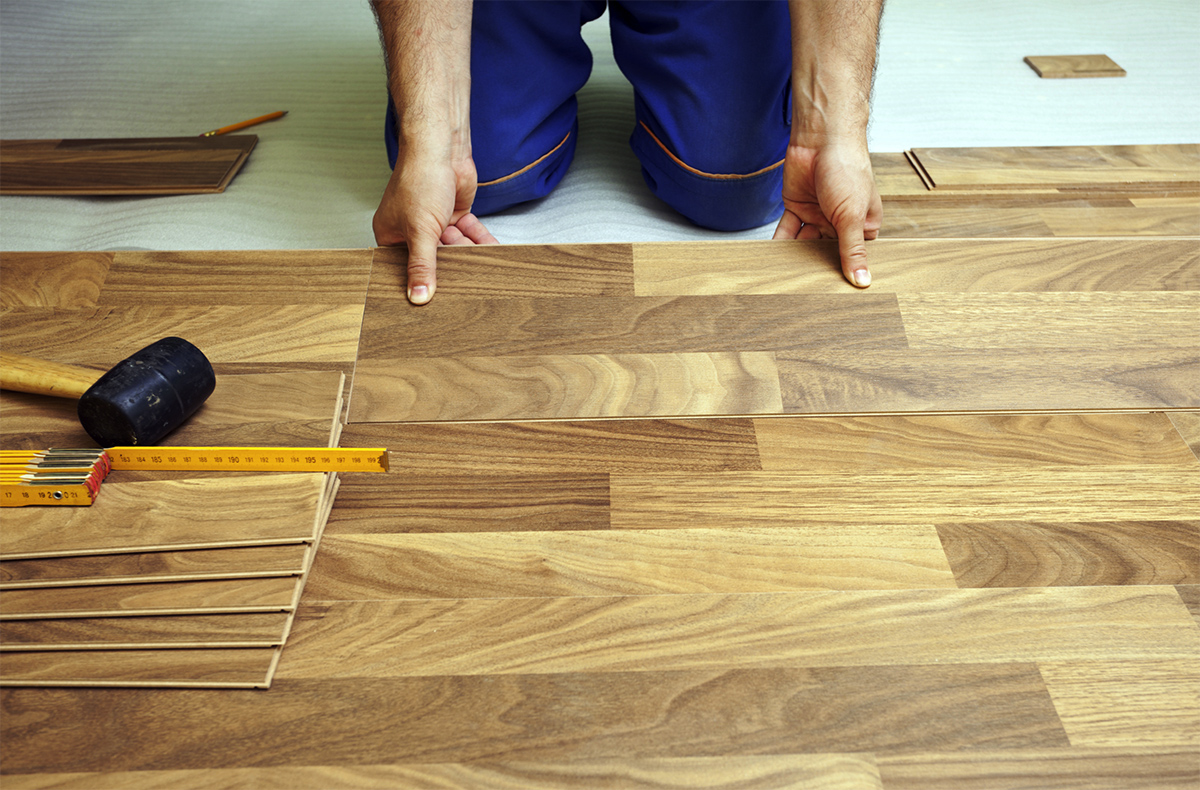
1067	66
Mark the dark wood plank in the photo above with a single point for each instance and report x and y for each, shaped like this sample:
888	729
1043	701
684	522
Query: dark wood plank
631	325
1007	554
540	717
521	271
566	447
410	501
162	631
1190	595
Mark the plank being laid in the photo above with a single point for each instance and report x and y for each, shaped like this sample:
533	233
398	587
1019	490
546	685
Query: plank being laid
154	631
1074	66
271	594
198	668
132	166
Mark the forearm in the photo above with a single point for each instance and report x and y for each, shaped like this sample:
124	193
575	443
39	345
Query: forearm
427	47
833	66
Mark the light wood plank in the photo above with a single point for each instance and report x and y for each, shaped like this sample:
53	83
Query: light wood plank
409	501
155	631
69	280
1074	66
222	278
213	668
469	327
1113	166
1045	769
561	718
199	513
1007	554
565	386
1187	423
1127	704
1117	322
1159	220
919	265
971	380
647	562
157	566
517	270
273	594
563	447
768	772
914	441
358	639
1044	494
908	220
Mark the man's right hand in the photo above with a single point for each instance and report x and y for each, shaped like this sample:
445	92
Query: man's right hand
427	202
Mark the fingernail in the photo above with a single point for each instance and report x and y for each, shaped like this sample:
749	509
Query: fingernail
418	294
862	278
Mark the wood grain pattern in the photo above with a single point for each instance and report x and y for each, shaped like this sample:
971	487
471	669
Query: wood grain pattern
1188	425
646	715
628	562
565	386
51	279
810	771
1143	703
273	594
1114	167
360	639
1009	379
156	566
157	631
520	271
134	166
1046	494
208	668
1004	554
181	514
941	442
920	266
1074	66
1150	220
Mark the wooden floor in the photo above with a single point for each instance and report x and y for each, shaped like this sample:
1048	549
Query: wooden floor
697	515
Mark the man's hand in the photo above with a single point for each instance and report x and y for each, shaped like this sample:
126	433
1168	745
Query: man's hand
427	202
830	193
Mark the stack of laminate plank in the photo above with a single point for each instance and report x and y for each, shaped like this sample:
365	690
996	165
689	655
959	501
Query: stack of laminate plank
169	578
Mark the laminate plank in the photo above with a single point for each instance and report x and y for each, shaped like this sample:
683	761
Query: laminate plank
921	220
1114	166
1007	554
566	717
208	668
489	637
471	501
53	279
1148	220
1074	66
912	442
934	496
1187	423
565	386
809	771
1045	769
155	566
165	631
272	594
517	271
632	325
1127	704
919	265
565	447
285	409
628	562
244	510
262	277
106	335
984	379
1053	321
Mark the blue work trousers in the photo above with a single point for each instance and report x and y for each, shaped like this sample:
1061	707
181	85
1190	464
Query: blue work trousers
712	100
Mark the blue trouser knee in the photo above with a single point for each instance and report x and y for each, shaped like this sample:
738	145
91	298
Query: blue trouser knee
711	94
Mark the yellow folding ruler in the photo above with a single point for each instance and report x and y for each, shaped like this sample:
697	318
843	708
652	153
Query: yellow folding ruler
73	477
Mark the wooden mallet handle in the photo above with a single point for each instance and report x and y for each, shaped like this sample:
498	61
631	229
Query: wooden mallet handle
41	377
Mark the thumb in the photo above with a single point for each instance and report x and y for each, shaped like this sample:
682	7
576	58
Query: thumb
852	249
422	267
